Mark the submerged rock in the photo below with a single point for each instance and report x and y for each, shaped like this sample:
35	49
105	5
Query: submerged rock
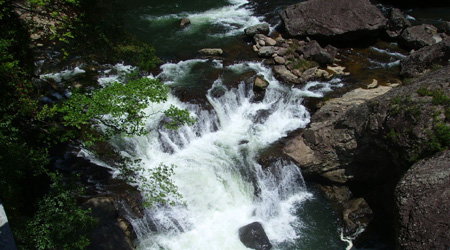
253	236
345	20
211	52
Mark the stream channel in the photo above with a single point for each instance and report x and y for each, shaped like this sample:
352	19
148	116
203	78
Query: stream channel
217	173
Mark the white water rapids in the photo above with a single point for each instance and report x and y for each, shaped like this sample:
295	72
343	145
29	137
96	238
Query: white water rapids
217	173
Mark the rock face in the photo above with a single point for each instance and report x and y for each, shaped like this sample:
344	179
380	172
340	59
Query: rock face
368	139
422	199
253	236
262	28
345	20
425	59
419	36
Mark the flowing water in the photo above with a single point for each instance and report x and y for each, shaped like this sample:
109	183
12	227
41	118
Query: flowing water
223	187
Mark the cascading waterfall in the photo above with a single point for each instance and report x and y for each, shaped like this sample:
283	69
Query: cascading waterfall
217	173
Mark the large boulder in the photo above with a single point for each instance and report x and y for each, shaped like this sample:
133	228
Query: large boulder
419	36
345	20
253	236
425	59
422	200
262	28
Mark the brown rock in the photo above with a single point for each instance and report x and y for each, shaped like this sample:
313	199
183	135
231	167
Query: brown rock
338	20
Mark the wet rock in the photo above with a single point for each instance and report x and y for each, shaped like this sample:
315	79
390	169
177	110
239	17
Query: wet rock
262	28
211	52
253	236
422	198
397	23
419	36
266	51
185	22
313	51
345	20
425	59
286	75
109	233
356	215
260	83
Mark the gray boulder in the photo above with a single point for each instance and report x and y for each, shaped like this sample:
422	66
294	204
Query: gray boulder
345	20
313	51
262	28
422	199
419	36
397	23
253	236
425	59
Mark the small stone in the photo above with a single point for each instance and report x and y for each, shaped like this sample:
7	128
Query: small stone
280	60
185	22
260	83
270	41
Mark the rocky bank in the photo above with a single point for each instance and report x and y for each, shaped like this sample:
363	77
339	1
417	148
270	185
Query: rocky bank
377	153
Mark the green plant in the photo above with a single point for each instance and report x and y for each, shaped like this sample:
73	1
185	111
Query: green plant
59	222
119	108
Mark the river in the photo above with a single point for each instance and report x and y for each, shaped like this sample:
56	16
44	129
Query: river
216	168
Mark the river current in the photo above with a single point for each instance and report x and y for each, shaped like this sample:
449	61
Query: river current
216	169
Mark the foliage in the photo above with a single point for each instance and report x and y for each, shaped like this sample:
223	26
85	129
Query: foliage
405	105
59	222
119	108
439	97
155	184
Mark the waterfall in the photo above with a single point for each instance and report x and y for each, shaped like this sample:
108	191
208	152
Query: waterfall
223	187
